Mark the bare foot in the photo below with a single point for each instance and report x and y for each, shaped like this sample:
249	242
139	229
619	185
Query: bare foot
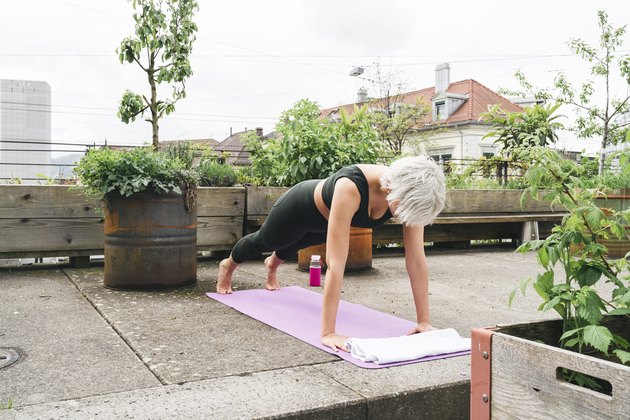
224	280
271	263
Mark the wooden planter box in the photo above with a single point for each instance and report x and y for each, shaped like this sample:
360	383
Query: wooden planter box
57	220
220	217
515	376
482	214
468	215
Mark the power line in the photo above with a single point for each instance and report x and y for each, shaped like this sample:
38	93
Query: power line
16	140
113	109
78	6
166	117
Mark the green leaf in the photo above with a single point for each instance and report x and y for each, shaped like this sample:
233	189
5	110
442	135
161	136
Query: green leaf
623	355
588	274
619	311
598	337
591	305
543	257
543	284
572	342
569	333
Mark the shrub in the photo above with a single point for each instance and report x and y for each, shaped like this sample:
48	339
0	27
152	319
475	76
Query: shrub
214	174
103	171
182	150
312	148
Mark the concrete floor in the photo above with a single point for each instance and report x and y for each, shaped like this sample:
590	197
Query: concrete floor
90	352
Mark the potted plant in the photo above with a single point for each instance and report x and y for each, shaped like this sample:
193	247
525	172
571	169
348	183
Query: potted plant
580	360
150	223
150	216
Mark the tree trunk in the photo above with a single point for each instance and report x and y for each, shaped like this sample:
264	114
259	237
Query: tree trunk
602	152
153	105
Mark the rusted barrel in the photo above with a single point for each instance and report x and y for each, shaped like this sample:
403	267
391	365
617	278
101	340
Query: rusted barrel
359	252
150	242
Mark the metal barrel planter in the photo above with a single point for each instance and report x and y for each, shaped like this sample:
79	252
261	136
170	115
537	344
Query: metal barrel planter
150	241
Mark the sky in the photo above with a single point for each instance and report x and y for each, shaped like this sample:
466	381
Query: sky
254	59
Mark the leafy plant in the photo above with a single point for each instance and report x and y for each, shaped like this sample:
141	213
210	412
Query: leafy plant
536	126
105	171
495	172
164	35
312	148
215	174
575	246
184	151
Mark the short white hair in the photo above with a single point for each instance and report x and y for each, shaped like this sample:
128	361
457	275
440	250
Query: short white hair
418	185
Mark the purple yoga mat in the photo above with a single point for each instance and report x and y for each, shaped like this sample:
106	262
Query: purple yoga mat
297	312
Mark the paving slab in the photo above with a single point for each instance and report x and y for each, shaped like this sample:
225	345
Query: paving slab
66	349
206	360
182	335
304	393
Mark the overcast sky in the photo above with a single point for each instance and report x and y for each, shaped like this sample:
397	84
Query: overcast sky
254	59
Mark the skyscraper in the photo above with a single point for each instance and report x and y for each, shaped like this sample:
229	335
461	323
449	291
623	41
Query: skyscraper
25	117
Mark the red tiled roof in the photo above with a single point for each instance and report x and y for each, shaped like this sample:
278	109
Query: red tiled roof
480	98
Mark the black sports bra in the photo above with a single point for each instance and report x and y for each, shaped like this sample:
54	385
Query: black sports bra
361	218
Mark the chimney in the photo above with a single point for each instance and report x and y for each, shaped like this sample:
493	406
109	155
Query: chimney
442	77
362	95
259	131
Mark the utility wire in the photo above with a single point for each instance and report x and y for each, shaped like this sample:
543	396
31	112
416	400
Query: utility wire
25	104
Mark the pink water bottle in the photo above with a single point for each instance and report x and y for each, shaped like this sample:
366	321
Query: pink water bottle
315	271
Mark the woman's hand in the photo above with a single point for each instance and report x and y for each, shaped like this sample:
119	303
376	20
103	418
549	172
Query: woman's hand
335	341
420	328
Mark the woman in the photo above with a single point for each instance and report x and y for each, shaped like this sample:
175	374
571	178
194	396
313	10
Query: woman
317	211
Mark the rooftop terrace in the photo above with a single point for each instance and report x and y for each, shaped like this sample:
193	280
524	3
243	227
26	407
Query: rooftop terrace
86	351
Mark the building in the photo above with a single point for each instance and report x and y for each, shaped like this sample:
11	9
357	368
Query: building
236	149
454	129
25	126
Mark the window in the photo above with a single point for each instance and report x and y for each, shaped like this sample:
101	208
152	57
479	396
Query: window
440	110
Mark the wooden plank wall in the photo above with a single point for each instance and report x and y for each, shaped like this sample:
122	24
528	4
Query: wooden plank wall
55	220
220	217
461	219
43	220
59	221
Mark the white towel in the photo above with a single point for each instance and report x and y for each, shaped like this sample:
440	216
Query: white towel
408	347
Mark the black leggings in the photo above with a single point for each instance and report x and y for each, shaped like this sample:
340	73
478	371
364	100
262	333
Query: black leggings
293	223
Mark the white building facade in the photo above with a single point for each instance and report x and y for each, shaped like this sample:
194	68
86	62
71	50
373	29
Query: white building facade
25	127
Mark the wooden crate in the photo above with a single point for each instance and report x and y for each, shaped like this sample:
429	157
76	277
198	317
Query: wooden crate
515	376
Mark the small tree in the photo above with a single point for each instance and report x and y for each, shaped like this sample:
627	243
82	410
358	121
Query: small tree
394	119
164	34
601	120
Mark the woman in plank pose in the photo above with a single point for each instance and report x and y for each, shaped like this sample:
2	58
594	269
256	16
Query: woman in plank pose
412	189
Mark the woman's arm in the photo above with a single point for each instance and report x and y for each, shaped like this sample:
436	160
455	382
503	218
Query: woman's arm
418	271
346	201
